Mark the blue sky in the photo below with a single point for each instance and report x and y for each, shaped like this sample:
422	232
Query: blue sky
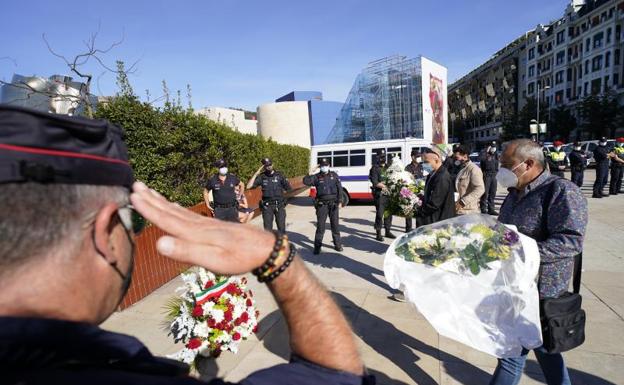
244	53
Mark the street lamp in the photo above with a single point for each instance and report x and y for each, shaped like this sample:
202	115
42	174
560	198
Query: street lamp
538	127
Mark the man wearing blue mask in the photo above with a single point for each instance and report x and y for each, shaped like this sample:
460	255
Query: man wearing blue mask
553	211
223	185
438	201
327	203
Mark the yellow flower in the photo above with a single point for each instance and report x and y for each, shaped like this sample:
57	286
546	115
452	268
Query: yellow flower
483	230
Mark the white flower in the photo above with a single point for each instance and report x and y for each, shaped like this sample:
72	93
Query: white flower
201	329
208	306
461	242
217	315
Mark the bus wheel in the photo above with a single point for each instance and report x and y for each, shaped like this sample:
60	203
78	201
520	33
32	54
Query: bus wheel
345	198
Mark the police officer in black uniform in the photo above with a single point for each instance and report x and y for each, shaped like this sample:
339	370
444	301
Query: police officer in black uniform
617	167
273	185
414	168
601	156
556	159
578	164
489	165
327	203
222	185
381	200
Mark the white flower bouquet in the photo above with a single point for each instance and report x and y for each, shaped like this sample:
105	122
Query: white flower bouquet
404	191
211	315
473	279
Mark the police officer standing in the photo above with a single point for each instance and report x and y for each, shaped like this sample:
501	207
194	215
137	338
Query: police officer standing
601	156
489	166
414	168
222	185
273	185
381	200
557	159
327	203
578	164
617	167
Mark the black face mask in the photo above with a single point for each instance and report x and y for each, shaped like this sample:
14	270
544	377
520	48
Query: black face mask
268	172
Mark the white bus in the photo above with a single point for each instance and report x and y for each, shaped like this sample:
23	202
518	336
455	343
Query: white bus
352	162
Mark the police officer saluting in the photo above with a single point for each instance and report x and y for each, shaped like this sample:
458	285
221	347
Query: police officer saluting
489	166
327	202
578	164
617	167
380	199
601	156
273	185
222	185
557	159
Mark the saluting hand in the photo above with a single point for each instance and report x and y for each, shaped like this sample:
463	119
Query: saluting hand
221	247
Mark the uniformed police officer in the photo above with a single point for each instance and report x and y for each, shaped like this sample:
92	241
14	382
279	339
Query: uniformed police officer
601	156
489	165
578	164
273	185
557	159
327	202
380	199
617	167
222	185
414	168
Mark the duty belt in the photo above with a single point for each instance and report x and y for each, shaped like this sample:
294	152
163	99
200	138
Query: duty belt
226	205
272	202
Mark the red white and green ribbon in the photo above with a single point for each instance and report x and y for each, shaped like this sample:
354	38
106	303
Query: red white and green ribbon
212	292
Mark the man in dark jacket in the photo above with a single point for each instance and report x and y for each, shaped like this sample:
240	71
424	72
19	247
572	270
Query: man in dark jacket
578	164
601	156
375	175
489	166
64	275
438	202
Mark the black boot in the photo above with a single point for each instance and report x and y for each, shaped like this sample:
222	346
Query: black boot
338	247
379	237
317	250
390	235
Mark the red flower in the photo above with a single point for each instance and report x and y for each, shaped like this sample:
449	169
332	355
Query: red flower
236	336
238	321
244	317
232	289
228	315
198	311
208	285
249	302
212	323
194	343
255	329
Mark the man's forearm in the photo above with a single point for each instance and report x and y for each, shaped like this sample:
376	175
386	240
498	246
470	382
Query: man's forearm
319	331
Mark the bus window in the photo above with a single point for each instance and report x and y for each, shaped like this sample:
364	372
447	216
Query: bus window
394	151
357	158
341	159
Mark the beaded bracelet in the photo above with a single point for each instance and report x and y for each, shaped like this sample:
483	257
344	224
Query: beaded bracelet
279	250
276	273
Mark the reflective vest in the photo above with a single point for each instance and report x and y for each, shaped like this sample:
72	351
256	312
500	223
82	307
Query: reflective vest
557	156
619	150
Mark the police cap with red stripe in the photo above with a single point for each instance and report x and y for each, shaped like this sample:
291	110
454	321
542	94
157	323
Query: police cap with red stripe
37	146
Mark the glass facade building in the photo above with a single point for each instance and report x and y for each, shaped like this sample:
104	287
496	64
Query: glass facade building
385	102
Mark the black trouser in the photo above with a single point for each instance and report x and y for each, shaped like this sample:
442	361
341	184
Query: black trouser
381	201
274	209
616	180
602	176
323	210
409	223
229	214
487	199
577	177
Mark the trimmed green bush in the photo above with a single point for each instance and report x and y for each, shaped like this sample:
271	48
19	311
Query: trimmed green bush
172	150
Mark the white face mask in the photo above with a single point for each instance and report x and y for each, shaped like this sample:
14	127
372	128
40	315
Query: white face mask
419	160
557	148
577	148
223	170
602	144
507	178
492	150
325	169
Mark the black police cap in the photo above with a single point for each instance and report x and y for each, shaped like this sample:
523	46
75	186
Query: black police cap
267	161
324	162
37	146
220	163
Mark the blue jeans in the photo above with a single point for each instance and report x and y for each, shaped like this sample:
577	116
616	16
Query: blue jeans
509	370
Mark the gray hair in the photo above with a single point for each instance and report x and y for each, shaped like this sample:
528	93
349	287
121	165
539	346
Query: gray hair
528	149
38	220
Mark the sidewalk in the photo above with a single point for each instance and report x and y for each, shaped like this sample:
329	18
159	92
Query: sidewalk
397	344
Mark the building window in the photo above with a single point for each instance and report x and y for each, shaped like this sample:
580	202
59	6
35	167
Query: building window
560	57
608	35
618	31
607	59
580	71
616	79
560	37
585	88
597	63
598	39
606	83
587	44
559	77
586	67
616	57
569	75
595	86
531	71
559	97
568	93
531	88
532	53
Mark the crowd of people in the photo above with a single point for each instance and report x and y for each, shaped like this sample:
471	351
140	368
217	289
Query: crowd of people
67	249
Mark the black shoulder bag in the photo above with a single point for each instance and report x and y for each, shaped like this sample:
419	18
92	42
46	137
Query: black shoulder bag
562	319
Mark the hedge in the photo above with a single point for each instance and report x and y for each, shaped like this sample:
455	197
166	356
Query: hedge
172	150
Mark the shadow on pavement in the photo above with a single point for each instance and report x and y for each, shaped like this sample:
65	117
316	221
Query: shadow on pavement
534	371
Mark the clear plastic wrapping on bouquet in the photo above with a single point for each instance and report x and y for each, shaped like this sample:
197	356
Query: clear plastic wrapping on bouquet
473	279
